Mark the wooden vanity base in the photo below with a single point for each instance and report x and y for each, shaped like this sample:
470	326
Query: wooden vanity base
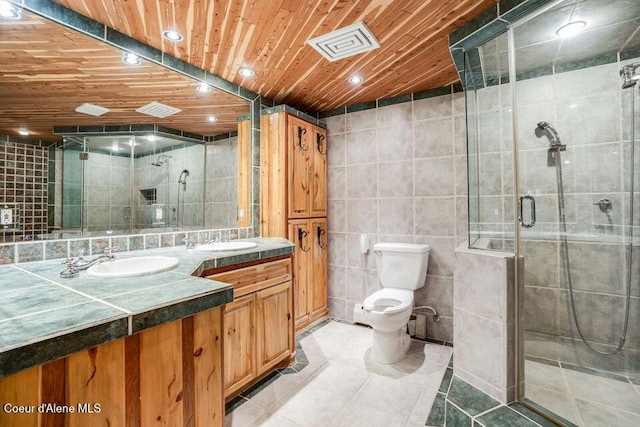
167	375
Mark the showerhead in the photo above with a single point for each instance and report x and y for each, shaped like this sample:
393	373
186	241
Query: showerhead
629	75
183	176
162	160
546	129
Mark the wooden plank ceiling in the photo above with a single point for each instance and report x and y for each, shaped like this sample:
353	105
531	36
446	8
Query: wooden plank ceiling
269	36
46	71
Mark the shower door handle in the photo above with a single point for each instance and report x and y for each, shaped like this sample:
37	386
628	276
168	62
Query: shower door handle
532	201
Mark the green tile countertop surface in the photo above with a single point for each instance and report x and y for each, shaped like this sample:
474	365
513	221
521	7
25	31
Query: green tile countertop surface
44	317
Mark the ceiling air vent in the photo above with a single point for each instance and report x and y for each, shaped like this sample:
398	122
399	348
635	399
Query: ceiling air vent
92	110
157	109
345	42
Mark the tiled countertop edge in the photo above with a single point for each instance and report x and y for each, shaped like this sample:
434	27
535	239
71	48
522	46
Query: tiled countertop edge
58	345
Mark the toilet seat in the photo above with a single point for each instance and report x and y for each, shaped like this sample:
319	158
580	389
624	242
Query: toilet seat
397	300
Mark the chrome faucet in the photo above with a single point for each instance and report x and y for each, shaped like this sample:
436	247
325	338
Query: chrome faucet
82	264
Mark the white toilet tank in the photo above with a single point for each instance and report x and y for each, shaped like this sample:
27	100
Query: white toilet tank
401	265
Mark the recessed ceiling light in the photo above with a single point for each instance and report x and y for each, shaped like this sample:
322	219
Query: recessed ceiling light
212	119
245	72
131	59
571	29
355	80
172	35
203	87
23	132
9	11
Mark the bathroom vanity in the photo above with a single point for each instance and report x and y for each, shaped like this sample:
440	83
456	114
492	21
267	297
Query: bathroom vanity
157	349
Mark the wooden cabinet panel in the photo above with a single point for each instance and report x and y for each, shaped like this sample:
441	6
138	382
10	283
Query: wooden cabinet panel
300	149
161	375
318	284
318	197
97	376
275	337
239	343
273	175
299	233
21	389
244	173
207	360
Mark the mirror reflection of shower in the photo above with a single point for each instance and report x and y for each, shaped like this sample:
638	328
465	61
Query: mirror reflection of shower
630	75
182	184
163	159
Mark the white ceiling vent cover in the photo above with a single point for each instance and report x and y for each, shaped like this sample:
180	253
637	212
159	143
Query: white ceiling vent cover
157	109
345	42
92	110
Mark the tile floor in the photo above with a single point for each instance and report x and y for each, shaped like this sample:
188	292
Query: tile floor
342	386
583	398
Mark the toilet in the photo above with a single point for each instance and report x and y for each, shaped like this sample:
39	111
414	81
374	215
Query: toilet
402	268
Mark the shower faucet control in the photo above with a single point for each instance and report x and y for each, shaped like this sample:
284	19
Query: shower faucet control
605	205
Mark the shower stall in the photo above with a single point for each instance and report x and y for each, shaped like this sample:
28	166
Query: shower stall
553	120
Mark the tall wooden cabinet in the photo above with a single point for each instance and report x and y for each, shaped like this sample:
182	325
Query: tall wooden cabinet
293	188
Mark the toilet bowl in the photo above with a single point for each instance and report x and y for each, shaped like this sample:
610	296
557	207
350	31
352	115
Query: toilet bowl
402	268
388	311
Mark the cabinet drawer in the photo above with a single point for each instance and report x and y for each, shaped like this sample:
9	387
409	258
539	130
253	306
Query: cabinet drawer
250	279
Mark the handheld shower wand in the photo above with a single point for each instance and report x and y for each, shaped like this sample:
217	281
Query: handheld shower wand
183	179
546	129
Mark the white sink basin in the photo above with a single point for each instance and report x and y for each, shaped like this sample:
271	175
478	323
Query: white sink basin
226	246
133	267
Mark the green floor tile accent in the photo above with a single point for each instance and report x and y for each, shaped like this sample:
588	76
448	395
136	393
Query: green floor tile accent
436	416
551	414
544	422
446	380
503	416
455	417
470	398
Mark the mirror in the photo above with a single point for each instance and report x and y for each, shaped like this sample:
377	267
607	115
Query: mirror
163	157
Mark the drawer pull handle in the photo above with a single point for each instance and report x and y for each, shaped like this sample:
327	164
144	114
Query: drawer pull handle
319	139
302	235
320	233
301	131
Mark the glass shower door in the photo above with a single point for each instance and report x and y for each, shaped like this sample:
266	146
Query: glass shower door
576	170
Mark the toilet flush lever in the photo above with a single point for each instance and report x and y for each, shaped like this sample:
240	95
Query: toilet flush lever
377	252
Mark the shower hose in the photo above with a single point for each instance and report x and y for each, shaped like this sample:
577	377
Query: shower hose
563	235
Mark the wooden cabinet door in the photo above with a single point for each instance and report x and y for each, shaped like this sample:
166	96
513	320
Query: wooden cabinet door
318	283
300	149
275	338
239	319
318	197
300	234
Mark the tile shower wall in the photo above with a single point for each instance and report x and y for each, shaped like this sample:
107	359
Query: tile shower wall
23	188
221	186
591	113
398	174
107	192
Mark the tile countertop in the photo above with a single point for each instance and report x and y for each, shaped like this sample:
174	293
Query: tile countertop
44	317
